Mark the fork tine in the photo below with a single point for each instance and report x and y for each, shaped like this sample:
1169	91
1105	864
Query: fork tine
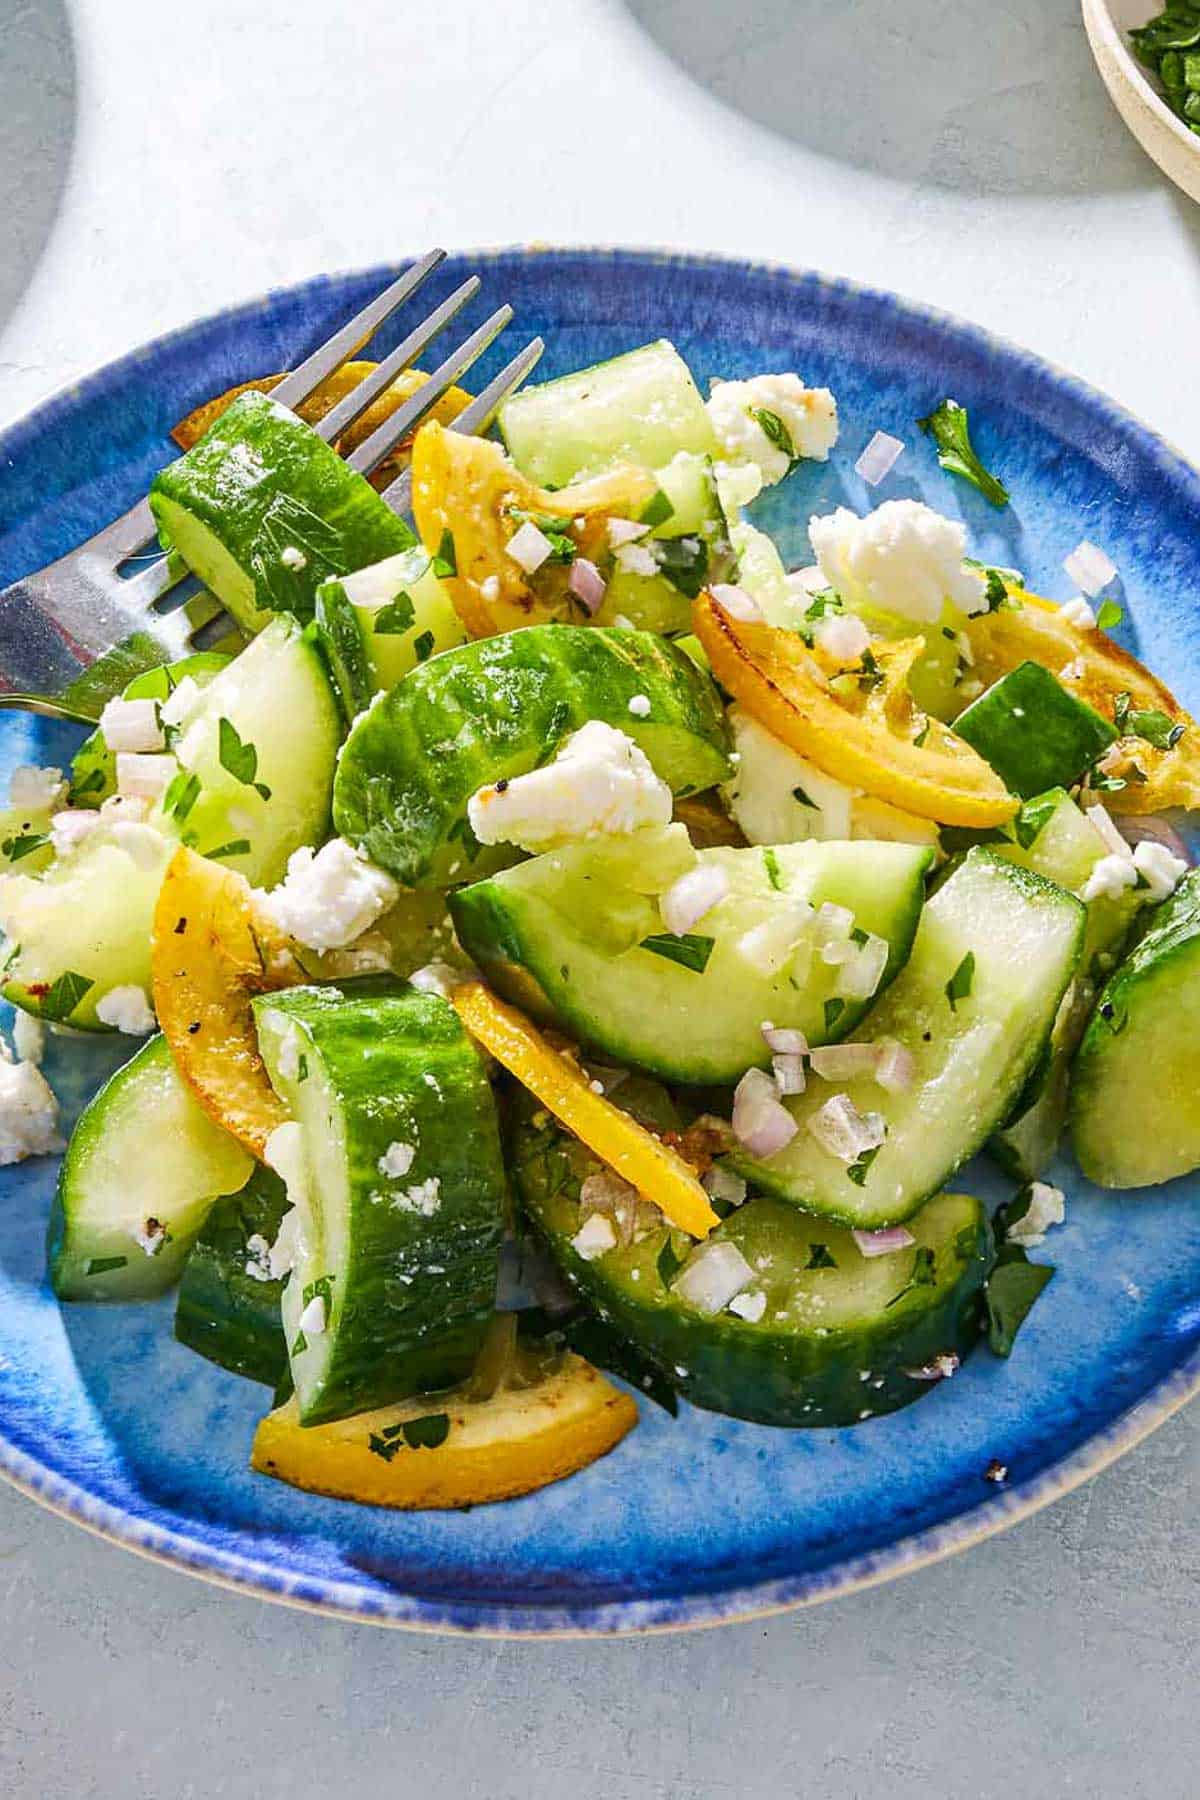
341	346
476	417
359	398
406	418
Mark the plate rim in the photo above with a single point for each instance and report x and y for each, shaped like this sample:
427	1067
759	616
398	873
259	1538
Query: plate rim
1006	1506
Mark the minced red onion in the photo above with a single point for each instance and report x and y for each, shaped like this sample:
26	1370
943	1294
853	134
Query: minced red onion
789	1073
843	1131
625	531
844	1062
783	1041
896	1069
695	893
1090	568
587	584
528	547
861	973
713	1276
885	1242
760	1123
879	458
720	1183
1152	830
737	602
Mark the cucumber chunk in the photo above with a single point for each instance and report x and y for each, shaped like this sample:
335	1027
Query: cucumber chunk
642	407
264	511
228	1308
692	546
498	708
1135	1097
564	937
142	1170
841	1337
974	1006
405	1261
1033	732
376	625
93	766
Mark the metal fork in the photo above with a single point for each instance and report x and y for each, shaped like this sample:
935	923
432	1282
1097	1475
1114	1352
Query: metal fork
73	633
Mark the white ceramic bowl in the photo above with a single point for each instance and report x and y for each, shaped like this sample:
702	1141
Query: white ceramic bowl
1167	139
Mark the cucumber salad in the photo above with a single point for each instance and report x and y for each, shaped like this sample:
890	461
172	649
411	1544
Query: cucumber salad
564	943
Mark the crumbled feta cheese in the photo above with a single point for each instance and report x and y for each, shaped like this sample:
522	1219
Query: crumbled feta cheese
329	897
489	587
293	558
436	978
69	827
151	1237
1047	1207
1160	868
312	1320
35	790
397	1160
258	1258
1078	612
903	558
1109	878
720	1183
808	417
144	777
639	706
29	1038
284	1152
126	1009
750	1307
599	782
595	1237
131	725
636	559
28	1113
842	637
424	1197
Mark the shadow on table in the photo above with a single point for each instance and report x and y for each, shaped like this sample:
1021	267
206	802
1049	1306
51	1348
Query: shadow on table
37	131
968	96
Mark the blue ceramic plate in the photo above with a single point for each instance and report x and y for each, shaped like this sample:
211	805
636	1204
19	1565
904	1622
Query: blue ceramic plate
695	1520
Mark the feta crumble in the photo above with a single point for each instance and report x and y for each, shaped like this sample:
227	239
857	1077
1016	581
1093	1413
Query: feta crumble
595	1237
69	827
289	1054
1109	878
639	706
1047	1207
258	1258
28	1113
126	1009
29	1038
842	636
902	558
778	797
424	1197
808	417
600	782
1159	867
329	897
396	1160
1078	612
31	789
636	559
131	725
292	557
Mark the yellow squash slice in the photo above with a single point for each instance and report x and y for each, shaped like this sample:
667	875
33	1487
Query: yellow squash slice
652	1167
1091	666
467	487
457	1450
871	739
323	399
210	955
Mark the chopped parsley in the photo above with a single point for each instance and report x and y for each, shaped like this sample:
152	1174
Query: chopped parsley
238	758
394	619
181	795
924	1274
667	1263
302	1068
446	561
869	672
423	646
100	1265
657	510
1033	818
1012	1287
775	431
949	428
959	985
820	1258
689	949
235	847
91	784
427	1432
24	844
1153	726
860	1167
774	872
802	799
833	1012
64	994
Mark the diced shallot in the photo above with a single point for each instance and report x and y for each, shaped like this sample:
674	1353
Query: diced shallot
625	531
1090	568
713	1276
737	602
788	1071
761	1124
843	1131
845	1062
695	893
885	1242
768	946
879	458
895	1069
587	584
861	973
781	1040
719	1183
528	547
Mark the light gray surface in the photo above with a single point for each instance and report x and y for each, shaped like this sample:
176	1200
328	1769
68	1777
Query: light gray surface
964	154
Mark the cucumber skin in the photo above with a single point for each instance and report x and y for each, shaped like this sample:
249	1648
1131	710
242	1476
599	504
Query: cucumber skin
1066	738
260	475
497	708
377	1040
222	1313
1169	949
742	1370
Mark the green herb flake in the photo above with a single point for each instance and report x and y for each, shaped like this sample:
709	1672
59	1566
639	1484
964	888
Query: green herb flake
63	995
181	795
774	872
688	949
949	428
1153	727
445	563
924	1274
802	799
382	1446
1033	818
869	672
394	619
24	844
235	847
919	740
239	759
101	1265
657	511
423	646
323	1285
833	1012
91	784
1109	615
775	431
300	1345
959	985
667	1263
820	1258
1012	1287
860	1167
428	1432
302	1069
